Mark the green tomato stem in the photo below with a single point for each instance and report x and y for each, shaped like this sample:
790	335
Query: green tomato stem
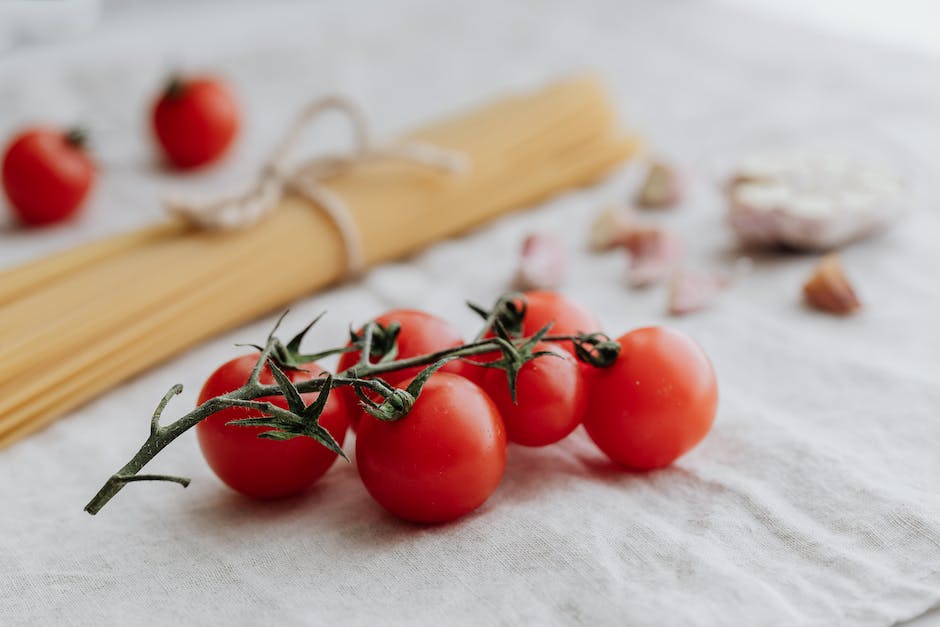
362	375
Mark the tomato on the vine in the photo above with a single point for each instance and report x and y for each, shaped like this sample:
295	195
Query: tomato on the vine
421	333
567	316
542	307
550	397
442	460
47	174
657	401
258	467
195	121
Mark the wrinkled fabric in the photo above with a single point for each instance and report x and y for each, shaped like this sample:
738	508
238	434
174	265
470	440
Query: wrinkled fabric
813	501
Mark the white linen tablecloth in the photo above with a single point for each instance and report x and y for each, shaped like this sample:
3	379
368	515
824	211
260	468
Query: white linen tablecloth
814	500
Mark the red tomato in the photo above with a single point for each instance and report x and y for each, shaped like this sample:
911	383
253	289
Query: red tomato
655	403
421	333
567	318
47	175
550	398
442	460
196	121
259	468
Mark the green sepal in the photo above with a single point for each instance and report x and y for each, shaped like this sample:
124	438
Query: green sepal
315	409
295	358
285	424
277	325
295	403
514	360
384	346
316	432
289	356
385	343
293	346
507	316
299	419
536	338
275	434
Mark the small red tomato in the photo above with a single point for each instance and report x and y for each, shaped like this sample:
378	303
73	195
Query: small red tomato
550	397
442	460
256	467
656	402
196	121
421	333
567	318
47	175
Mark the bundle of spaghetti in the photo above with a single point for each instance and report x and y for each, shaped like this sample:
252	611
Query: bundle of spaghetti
75	324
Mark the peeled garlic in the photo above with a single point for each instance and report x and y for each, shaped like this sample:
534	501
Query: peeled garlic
811	202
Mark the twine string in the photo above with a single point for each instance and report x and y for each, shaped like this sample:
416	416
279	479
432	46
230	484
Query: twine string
278	177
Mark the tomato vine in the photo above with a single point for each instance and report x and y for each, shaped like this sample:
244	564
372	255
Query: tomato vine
502	332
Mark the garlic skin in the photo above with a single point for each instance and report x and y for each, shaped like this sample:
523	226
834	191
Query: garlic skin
654	254
828	288
611	228
543	264
694	290
661	189
811	202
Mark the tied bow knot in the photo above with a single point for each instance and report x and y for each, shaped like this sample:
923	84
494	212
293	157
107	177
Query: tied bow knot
278	178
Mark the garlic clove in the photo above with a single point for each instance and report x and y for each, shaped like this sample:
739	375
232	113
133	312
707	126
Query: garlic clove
611	228
543	264
654	253
828	288
661	189
694	290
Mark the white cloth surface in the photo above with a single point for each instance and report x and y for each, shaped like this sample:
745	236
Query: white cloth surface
813	501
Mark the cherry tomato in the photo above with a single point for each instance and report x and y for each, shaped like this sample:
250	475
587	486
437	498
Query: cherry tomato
656	402
196	121
550	397
421	333
567	318
256	467
442	460
47	174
